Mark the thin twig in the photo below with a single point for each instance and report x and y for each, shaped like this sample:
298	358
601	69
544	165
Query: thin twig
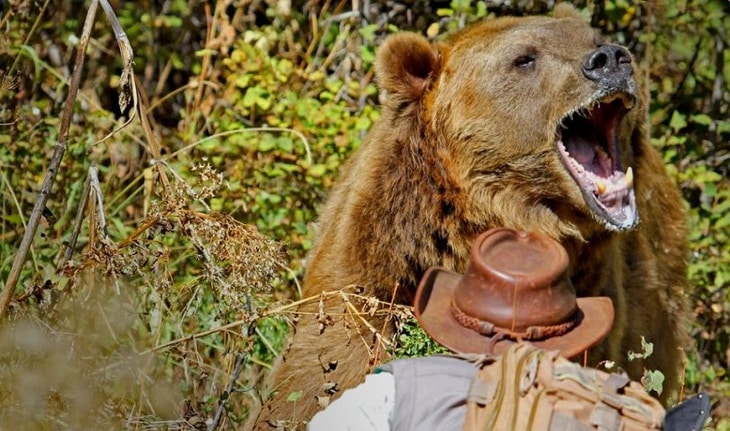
355	312
387	320
719	84
154	146
19	207
130	92
71	246
240	363
98	194
293	276
281	309
266	129
205	63
126	82
146	224
222	401
55	163
36	24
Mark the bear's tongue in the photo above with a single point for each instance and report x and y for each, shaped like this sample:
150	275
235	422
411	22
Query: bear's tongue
582	143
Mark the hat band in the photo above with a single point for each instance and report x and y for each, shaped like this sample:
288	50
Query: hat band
489	329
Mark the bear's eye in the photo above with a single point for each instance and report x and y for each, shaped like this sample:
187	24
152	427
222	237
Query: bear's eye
525	61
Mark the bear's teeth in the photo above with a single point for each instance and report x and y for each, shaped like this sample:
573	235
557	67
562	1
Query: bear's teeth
629	178
600	187
578	166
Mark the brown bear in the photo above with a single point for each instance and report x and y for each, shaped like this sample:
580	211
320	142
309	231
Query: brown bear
533	123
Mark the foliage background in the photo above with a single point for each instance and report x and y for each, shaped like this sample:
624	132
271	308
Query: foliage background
257	104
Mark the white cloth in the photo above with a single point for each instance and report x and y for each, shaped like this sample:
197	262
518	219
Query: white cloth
367	407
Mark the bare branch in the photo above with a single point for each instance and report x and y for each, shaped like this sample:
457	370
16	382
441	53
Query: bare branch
77	223
223	400
58	152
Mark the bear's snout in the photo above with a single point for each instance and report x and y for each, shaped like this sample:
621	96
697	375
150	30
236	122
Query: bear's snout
609	66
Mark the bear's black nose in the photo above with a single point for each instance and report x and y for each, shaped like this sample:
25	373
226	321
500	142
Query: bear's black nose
609	65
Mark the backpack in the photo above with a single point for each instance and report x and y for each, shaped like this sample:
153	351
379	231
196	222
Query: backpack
528	389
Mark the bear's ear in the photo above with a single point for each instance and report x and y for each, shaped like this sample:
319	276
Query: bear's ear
405	65
566	10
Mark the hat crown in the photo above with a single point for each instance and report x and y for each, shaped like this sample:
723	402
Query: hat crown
516	280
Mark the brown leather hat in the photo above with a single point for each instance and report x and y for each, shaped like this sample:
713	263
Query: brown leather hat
516	288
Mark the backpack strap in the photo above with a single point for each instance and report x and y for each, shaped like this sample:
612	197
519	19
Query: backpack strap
481	391
611	388
606	415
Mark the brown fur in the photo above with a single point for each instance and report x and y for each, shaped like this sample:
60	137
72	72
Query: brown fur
467	142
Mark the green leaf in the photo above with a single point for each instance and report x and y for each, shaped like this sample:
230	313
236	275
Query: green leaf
205	52
268	143
481	9
249	99
209	145
653	381
709	189
708	177
678	121
368	32
173	21
367	54
285	144
676	140
647	349
294	396
363	123
702	119
317	170
723	222
274	199
33	55
264	101
723	126
284	69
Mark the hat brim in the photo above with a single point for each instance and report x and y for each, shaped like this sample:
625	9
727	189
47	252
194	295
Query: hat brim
432	309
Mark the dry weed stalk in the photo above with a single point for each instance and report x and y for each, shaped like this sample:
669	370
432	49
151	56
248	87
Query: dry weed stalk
61	144
236	261
127	85
369	306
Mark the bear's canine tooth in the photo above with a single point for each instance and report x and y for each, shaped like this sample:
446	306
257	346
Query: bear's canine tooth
629	178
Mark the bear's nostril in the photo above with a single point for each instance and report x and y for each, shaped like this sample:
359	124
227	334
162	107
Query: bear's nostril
597	61
623	57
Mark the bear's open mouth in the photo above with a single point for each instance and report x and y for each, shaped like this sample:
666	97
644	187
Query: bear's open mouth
588	143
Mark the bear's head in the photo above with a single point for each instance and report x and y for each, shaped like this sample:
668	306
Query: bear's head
537	109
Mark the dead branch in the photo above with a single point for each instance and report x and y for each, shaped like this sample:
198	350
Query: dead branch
68	253
222	401
291	307
58	152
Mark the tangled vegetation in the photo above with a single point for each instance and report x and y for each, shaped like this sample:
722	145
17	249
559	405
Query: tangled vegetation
159	285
